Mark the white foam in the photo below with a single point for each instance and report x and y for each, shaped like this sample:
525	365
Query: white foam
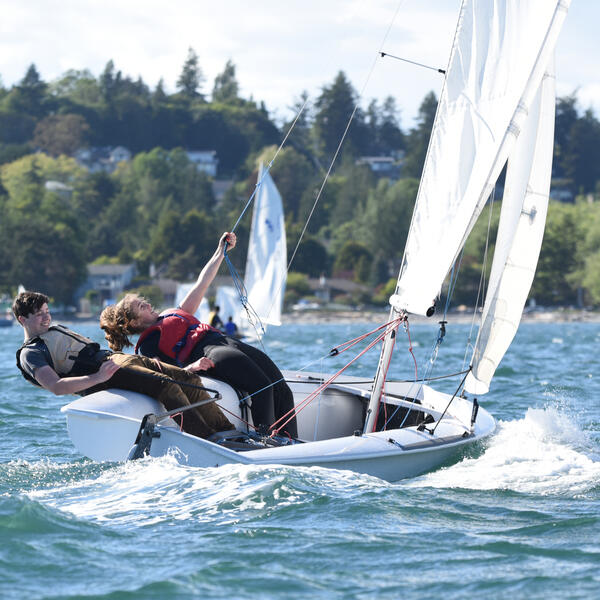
543	453
161	489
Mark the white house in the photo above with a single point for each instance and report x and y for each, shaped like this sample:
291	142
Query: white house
205	160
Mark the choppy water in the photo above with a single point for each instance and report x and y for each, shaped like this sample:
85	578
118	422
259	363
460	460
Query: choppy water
518	517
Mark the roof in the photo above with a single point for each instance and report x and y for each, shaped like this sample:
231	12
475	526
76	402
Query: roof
109	269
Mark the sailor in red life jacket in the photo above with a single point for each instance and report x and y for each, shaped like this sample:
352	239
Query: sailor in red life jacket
177	337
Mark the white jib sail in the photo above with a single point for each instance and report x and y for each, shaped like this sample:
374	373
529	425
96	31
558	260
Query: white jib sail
497	62
266	264
519	239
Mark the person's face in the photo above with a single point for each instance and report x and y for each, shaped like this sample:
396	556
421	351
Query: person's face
145	315
38	321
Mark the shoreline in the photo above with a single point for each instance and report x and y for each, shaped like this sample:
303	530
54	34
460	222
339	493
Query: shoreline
558	315
323	316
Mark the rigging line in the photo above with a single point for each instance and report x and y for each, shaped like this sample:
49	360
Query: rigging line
302	405
253	317
318	197
320	359
480	291
450	401
412	62
268	167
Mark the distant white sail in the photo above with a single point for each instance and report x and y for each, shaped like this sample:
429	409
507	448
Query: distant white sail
499	56
519	239
266	264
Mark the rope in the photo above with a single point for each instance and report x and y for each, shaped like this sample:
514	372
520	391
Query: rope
480	293
378	55
297	409
251	314
268	167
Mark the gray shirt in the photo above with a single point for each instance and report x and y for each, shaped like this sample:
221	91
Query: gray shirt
35	356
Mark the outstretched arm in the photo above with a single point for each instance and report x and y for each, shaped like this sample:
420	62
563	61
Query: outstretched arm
49	379
192	301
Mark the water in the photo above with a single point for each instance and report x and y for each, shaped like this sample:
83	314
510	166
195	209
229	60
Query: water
517	517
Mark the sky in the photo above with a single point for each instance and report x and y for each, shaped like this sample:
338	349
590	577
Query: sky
279	47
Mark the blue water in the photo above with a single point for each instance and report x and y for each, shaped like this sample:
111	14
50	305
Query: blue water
518	517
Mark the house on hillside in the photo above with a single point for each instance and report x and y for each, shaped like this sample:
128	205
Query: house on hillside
107	280
384	166
328	289
105	158
205	161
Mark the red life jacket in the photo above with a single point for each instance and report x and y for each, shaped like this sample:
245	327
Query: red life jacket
179	333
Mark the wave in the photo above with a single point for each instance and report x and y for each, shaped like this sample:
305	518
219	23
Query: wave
155	490
544	453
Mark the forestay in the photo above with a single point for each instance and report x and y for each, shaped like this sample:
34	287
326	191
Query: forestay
495	69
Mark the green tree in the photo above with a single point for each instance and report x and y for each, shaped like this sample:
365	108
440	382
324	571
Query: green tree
418	138
557	257
29	96
582	162
333	109
226	87
292	173
61	134
77	86
191	77
353	258
383	225
311	257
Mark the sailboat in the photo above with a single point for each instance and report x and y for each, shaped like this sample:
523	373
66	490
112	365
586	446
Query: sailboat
266	266
497	105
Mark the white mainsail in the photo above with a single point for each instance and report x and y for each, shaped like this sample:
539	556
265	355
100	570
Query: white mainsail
498	59
501	51
519	239
266	264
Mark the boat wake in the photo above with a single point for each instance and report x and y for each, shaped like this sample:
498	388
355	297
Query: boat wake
159	490
545	453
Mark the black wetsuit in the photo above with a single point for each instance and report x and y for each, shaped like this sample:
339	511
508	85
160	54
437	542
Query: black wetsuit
244	367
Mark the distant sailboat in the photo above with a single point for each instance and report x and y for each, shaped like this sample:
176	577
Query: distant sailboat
266	266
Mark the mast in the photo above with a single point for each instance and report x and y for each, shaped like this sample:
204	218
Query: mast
390	338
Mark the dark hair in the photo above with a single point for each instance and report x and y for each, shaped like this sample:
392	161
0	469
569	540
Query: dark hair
26	303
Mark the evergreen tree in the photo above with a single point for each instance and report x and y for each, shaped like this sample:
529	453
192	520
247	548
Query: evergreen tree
226	87
418	138
566	117
390	135
191	78
107	81
582	161
159	97
29	96
333	109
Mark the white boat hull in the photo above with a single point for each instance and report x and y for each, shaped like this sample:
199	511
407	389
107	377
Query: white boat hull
104	426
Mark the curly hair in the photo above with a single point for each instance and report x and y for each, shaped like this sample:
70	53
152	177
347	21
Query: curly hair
117	322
